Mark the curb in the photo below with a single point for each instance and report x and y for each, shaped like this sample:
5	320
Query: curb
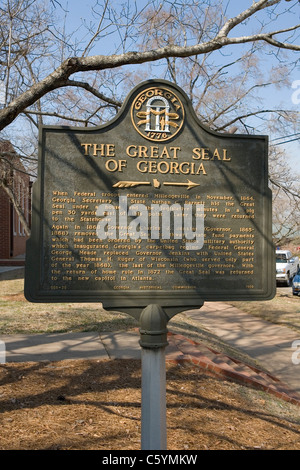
227	367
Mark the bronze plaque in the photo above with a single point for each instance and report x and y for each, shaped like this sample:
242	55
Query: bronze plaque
152	207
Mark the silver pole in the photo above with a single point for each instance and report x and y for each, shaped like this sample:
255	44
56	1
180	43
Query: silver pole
154	428
153	333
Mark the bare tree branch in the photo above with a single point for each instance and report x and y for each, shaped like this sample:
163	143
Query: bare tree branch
232	22
89	88
254	113
60	77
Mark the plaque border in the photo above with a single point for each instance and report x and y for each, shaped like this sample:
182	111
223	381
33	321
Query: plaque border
133	301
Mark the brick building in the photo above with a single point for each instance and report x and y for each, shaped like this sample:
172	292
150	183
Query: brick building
12	233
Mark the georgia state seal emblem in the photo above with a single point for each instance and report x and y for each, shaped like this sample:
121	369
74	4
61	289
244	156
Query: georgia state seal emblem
157	114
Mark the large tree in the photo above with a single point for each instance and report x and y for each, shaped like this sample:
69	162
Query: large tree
50	71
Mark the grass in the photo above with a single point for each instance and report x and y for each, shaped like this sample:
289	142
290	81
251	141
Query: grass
284	309
23	317
18	316
201	411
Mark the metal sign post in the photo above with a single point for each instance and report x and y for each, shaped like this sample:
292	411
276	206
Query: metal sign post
152	210
153	333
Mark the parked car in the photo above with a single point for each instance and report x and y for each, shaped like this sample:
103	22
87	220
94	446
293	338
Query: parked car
287	266
296	283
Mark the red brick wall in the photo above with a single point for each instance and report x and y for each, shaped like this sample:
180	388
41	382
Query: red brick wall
4	225
12	234
21	190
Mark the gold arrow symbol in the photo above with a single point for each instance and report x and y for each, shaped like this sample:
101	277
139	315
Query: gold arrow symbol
130	184
189	184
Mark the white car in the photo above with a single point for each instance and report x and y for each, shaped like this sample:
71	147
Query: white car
287	266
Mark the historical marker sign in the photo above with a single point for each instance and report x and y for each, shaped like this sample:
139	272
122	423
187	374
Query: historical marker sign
152	207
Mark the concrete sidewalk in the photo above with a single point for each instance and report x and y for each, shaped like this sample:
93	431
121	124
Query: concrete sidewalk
63	346
273	346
